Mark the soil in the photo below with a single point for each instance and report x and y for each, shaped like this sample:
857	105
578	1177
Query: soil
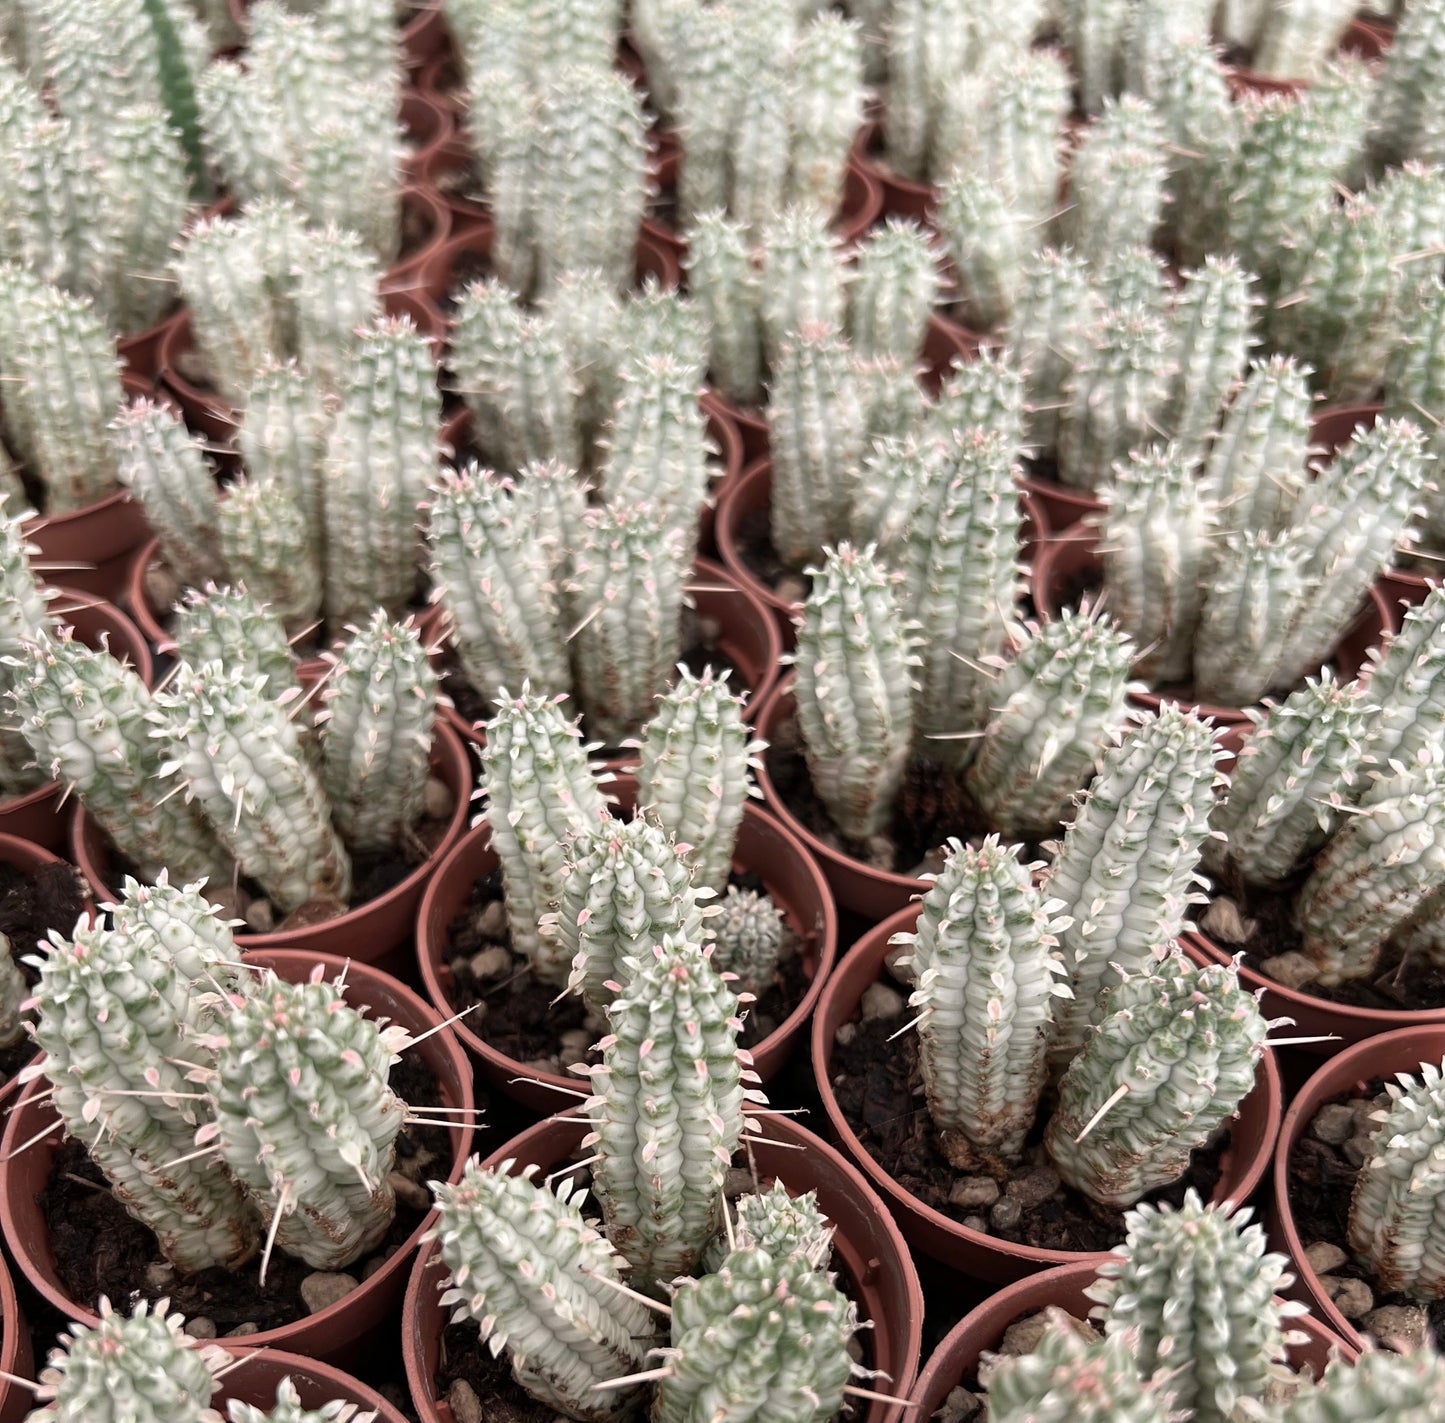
100	1250
1321	1182
527	1021
879	1088
756	548
30	907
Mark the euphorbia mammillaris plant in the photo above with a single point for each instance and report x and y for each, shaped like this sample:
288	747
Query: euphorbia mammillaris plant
288	1409
895	284
748	938
1117	179
1120	1130
266	544
985	968
854	689
231	625
1405	1388
1051	321
786	1227
1407	687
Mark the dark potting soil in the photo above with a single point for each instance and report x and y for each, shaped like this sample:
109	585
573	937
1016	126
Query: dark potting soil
879	1088
756	547
525	1019
1321	1183
100	1250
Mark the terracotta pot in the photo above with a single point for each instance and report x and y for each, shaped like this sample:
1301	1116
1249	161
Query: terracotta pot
766	848
429	127
336	1334
375	933
901	196
1402	1051
430	220
441	82
956	1360
949	1241
38	816
17	1359
255	1382
1362	39
875	1267
1063	506
749	638
140	355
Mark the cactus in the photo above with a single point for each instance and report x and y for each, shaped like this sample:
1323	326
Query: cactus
1095	32
591	326
750	930
231	625
1056	705
538	791
728	288
492	574
282	440
1154	32
1392	1226
897	472
1407	111
1406	1388
895	285
141	1368
182	926
825	108
1126	873
305	1119
695	758
1117	181
1415	385
802	284
983	962
666	1110
758	158
555	500
240	758
1407	689
288	1409
541	1282
783	1226
1134	280
1375	878
763	1339
335	295
382	449
1297	38
988	238
1172	1060
265	542
1197	1286
816	423
627	886
1153	538
893	403
854	689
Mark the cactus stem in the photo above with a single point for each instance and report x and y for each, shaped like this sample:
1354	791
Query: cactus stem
622	1289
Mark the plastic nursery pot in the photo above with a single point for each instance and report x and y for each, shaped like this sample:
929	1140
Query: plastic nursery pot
317	1383
1381	1057
901	196
140	354
1252	1133
427	223
764	847
1063	507
956	1359
429	126
875	1268
38	815
376	932
335	1334
17	1359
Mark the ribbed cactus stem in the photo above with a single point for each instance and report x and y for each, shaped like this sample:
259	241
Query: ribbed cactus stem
983	963
231	625
802	281
283	440
727	284
894	287
988	239
1174	1058
786	1227
288	1409
1405	1388
750	930
266	543
1117	179
1408	688
826	96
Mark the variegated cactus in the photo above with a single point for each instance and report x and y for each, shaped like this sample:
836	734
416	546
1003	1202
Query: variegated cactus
988	239
1407	688
895	284
231	625
1117	179
288	1409
266	543
785	1226
749	931
727	284
1406	1388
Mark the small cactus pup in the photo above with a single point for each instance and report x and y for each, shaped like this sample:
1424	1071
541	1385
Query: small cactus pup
1405	1388
288	1409
784	1225
136	1368
1169	1065
749	937
1195	1292
986	974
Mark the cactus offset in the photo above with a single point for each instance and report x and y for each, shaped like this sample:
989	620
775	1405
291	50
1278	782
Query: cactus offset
750	932
267	544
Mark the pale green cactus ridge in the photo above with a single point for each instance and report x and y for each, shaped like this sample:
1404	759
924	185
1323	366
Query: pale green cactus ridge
762	1339
1154	547
1117	179
826	95
816	424
1362	504
515	373
365	37
694	770
758	155
989	239
910	31
1115	396
1412	200
1408	687
540	1280
627	886
960	559
137	1368
241	761
23	614
336	293
1095	32
164	466
539	790
667	1110
750	932
1194	1291
240	137
1375	877
494	577
1256	583
898	472
1415	384
1296	40
63	389
1405	1388
1055	708
378	719
894	403
1186	1042
187	930
231	624
854	689
588	316
283	439
305	1118
1211	333
1135	279
554	499
117	1020
1155	30
1397	1195
87	717
1053	315
659	320
266	544
785	1226
802	279
659	29
1289	787
983	963
379	460
895	284
1069	1380
1407	114
727	285
14	991
1255	471
351	170
1127	872
288	1409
